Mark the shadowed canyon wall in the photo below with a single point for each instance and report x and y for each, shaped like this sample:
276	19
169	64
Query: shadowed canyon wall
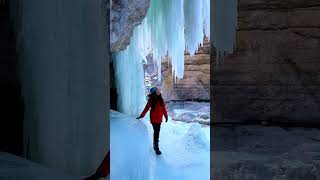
274	73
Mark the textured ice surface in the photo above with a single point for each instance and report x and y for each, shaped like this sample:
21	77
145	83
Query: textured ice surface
130	76
194	24
63	68
195	139
189	111
184	146
129	145
171	27
185	151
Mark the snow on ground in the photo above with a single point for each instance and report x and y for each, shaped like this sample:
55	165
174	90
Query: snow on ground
129	154
185	150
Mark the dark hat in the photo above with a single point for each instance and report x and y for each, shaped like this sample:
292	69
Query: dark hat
153	90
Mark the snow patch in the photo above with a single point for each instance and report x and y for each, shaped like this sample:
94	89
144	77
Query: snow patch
195	139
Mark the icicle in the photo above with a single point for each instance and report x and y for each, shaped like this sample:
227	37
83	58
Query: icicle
206	17
224	22
169	28
129	73
193	24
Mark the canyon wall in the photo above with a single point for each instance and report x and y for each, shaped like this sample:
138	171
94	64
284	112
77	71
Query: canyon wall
274	73
195	84
124	16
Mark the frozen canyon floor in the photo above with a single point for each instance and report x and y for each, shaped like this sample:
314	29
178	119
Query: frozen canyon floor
185	150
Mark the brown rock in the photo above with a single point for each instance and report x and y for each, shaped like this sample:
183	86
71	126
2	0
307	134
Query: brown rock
195	83
274	74
124	16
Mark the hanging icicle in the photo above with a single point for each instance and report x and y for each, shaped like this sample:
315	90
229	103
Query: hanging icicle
224	21
171	28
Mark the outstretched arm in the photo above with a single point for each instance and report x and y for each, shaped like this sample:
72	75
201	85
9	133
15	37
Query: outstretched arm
146	109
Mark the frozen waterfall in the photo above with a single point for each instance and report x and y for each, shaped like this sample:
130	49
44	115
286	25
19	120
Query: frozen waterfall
171	27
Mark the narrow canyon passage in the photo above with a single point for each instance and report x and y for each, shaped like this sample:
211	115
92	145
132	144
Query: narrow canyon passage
169	48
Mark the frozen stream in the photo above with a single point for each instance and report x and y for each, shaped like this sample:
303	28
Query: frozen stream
185	150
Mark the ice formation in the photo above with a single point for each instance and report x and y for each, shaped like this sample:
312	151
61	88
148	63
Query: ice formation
195	139
129	73
129	148
224	21
171	28
166	30
61	62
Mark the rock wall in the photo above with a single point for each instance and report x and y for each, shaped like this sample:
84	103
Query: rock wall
124	16
264	153
196	81
274	74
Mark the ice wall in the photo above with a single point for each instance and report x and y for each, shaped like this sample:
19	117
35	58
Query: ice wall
129	73
63	65
130	150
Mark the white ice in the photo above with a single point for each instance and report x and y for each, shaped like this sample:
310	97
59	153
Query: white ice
185	150
63	70
170	28
129	153
129	74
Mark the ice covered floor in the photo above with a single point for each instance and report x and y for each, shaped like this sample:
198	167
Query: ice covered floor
14	167
185	150
129	153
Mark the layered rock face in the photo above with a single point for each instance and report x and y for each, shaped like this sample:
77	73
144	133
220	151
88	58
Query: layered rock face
124	16
274	74
196	81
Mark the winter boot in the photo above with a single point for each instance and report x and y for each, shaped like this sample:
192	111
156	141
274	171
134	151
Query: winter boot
156	148
158	152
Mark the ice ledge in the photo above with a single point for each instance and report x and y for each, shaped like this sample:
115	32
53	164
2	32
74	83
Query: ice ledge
130	151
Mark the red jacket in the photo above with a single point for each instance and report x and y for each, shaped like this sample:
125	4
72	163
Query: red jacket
157	112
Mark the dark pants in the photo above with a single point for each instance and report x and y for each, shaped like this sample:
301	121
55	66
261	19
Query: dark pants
156	132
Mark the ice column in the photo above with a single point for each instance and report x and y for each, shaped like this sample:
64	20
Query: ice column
129	72
193	24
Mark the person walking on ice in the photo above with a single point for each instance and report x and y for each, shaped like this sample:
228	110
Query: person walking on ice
158	109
